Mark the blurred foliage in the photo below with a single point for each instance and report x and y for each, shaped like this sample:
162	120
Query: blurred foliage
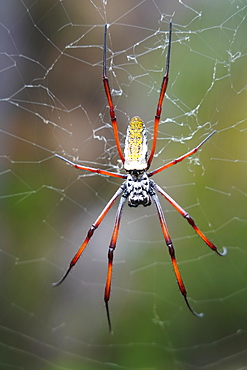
47	207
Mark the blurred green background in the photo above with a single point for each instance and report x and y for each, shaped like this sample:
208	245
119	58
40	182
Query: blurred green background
52	101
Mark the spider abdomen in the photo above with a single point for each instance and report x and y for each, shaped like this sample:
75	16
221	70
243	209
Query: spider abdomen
136	148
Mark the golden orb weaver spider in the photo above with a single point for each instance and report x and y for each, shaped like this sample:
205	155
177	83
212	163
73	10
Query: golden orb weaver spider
138	187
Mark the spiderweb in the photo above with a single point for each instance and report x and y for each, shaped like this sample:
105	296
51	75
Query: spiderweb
52	101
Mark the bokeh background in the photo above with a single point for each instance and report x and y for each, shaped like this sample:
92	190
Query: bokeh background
52	101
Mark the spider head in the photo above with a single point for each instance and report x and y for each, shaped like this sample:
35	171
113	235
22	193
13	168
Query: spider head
137	189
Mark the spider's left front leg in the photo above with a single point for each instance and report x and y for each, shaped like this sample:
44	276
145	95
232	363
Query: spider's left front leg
172	252
190	220
112	247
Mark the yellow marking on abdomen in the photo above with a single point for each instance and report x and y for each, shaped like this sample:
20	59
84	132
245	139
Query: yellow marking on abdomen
135	145
135	138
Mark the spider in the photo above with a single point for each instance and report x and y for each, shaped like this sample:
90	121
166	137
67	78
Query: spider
137	187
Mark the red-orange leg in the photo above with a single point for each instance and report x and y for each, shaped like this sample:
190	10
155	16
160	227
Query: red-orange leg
172	253
179	159
90	234
109	98
161	98
112	247
190	220
91	169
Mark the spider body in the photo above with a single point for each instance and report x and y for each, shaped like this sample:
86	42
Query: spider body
138	188
137	184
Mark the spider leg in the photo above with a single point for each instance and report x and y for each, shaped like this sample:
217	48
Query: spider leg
190	220
91	169
161	98
109	98
179	159
112	247
90	234
172	253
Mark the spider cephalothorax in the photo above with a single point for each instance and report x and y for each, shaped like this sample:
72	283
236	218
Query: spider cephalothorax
138	187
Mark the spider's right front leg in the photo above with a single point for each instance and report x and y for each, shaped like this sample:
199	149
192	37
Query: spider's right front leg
90	233
111	250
